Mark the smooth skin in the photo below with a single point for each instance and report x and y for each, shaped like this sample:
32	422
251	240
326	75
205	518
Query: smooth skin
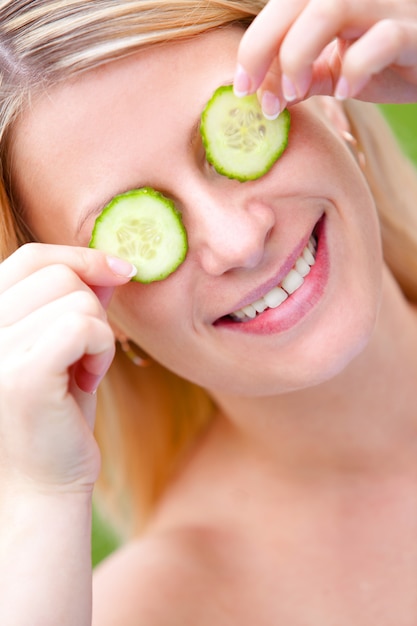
351	48
298	507
56	345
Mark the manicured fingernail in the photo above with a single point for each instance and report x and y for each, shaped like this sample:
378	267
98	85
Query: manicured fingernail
288	89
91	371
121	267
342	89
91	383
241	82
271	106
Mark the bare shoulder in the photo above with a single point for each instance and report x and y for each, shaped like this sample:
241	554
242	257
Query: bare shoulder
164	580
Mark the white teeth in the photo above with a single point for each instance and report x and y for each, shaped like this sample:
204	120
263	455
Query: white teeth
302	267
260	305
312	245
239	315
250	311
308	256
292	281
275	297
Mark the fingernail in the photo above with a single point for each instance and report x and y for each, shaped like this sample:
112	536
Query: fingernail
241	82
342	89
271	106
288	89
121	267
89	383
91	371
92	384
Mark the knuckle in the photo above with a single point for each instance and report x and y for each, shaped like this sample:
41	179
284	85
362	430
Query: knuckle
86	303
29	253
85	257
79	327
75	323
331	10
61	273
107	338
393	32
80	322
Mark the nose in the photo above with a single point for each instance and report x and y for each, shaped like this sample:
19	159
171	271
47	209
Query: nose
227	231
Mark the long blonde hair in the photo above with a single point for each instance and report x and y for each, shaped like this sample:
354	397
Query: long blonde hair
147	419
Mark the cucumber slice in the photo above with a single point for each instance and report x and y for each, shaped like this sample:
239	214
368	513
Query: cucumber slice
144	228
239	141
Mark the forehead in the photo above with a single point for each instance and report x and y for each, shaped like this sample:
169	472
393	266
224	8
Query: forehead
162	67
126	108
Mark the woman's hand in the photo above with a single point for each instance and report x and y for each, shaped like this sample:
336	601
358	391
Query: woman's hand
55	346
347	48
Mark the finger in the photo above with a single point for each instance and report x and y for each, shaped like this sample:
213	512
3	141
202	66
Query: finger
104	295
326	70
261	41
44	286
92	266
41	376
387	43
67	341
317	27
85	400
90	370
23	334
325	73
270	94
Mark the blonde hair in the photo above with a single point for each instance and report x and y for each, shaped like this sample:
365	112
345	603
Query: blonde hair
147	419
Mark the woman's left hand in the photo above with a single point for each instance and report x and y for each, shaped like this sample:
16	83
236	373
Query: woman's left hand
348	48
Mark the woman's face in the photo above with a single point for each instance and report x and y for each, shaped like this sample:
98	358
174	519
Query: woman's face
134	123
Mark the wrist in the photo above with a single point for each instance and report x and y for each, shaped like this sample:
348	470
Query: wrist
31	510
45	545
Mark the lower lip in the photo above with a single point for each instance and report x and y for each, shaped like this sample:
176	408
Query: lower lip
296	306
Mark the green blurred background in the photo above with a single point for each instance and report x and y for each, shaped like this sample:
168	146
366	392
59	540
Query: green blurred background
403	119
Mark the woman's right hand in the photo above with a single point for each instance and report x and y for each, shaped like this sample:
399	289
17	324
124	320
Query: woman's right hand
55	346
365	49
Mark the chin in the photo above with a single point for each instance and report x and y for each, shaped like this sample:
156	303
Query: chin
300	365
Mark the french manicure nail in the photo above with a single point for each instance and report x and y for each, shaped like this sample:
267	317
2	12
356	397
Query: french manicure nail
241	83
288	89
342	89
121	267
271	106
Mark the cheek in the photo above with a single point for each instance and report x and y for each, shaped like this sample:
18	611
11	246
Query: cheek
353	303
134	306
148	315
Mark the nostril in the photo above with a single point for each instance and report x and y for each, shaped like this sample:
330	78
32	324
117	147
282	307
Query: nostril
229	253
268	234
228	228
235	241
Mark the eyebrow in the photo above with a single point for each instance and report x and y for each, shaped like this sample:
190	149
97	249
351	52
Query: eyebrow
89	212
95	210
195	131
85	215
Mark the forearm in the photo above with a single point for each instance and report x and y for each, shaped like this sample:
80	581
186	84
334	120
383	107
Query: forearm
45	560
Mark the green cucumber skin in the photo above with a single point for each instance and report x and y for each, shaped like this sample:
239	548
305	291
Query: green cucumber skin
284	121
105	221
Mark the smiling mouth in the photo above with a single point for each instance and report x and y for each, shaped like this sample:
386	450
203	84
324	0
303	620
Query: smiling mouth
288	285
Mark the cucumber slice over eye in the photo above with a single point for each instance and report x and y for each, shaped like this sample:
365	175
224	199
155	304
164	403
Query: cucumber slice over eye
144	228
239	141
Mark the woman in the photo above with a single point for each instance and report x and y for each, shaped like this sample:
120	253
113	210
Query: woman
275	476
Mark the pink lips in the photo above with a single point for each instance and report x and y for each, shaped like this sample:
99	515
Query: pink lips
297	305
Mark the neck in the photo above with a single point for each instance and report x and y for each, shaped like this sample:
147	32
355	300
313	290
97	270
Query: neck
363	419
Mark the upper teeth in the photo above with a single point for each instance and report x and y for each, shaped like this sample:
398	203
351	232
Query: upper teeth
292	281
